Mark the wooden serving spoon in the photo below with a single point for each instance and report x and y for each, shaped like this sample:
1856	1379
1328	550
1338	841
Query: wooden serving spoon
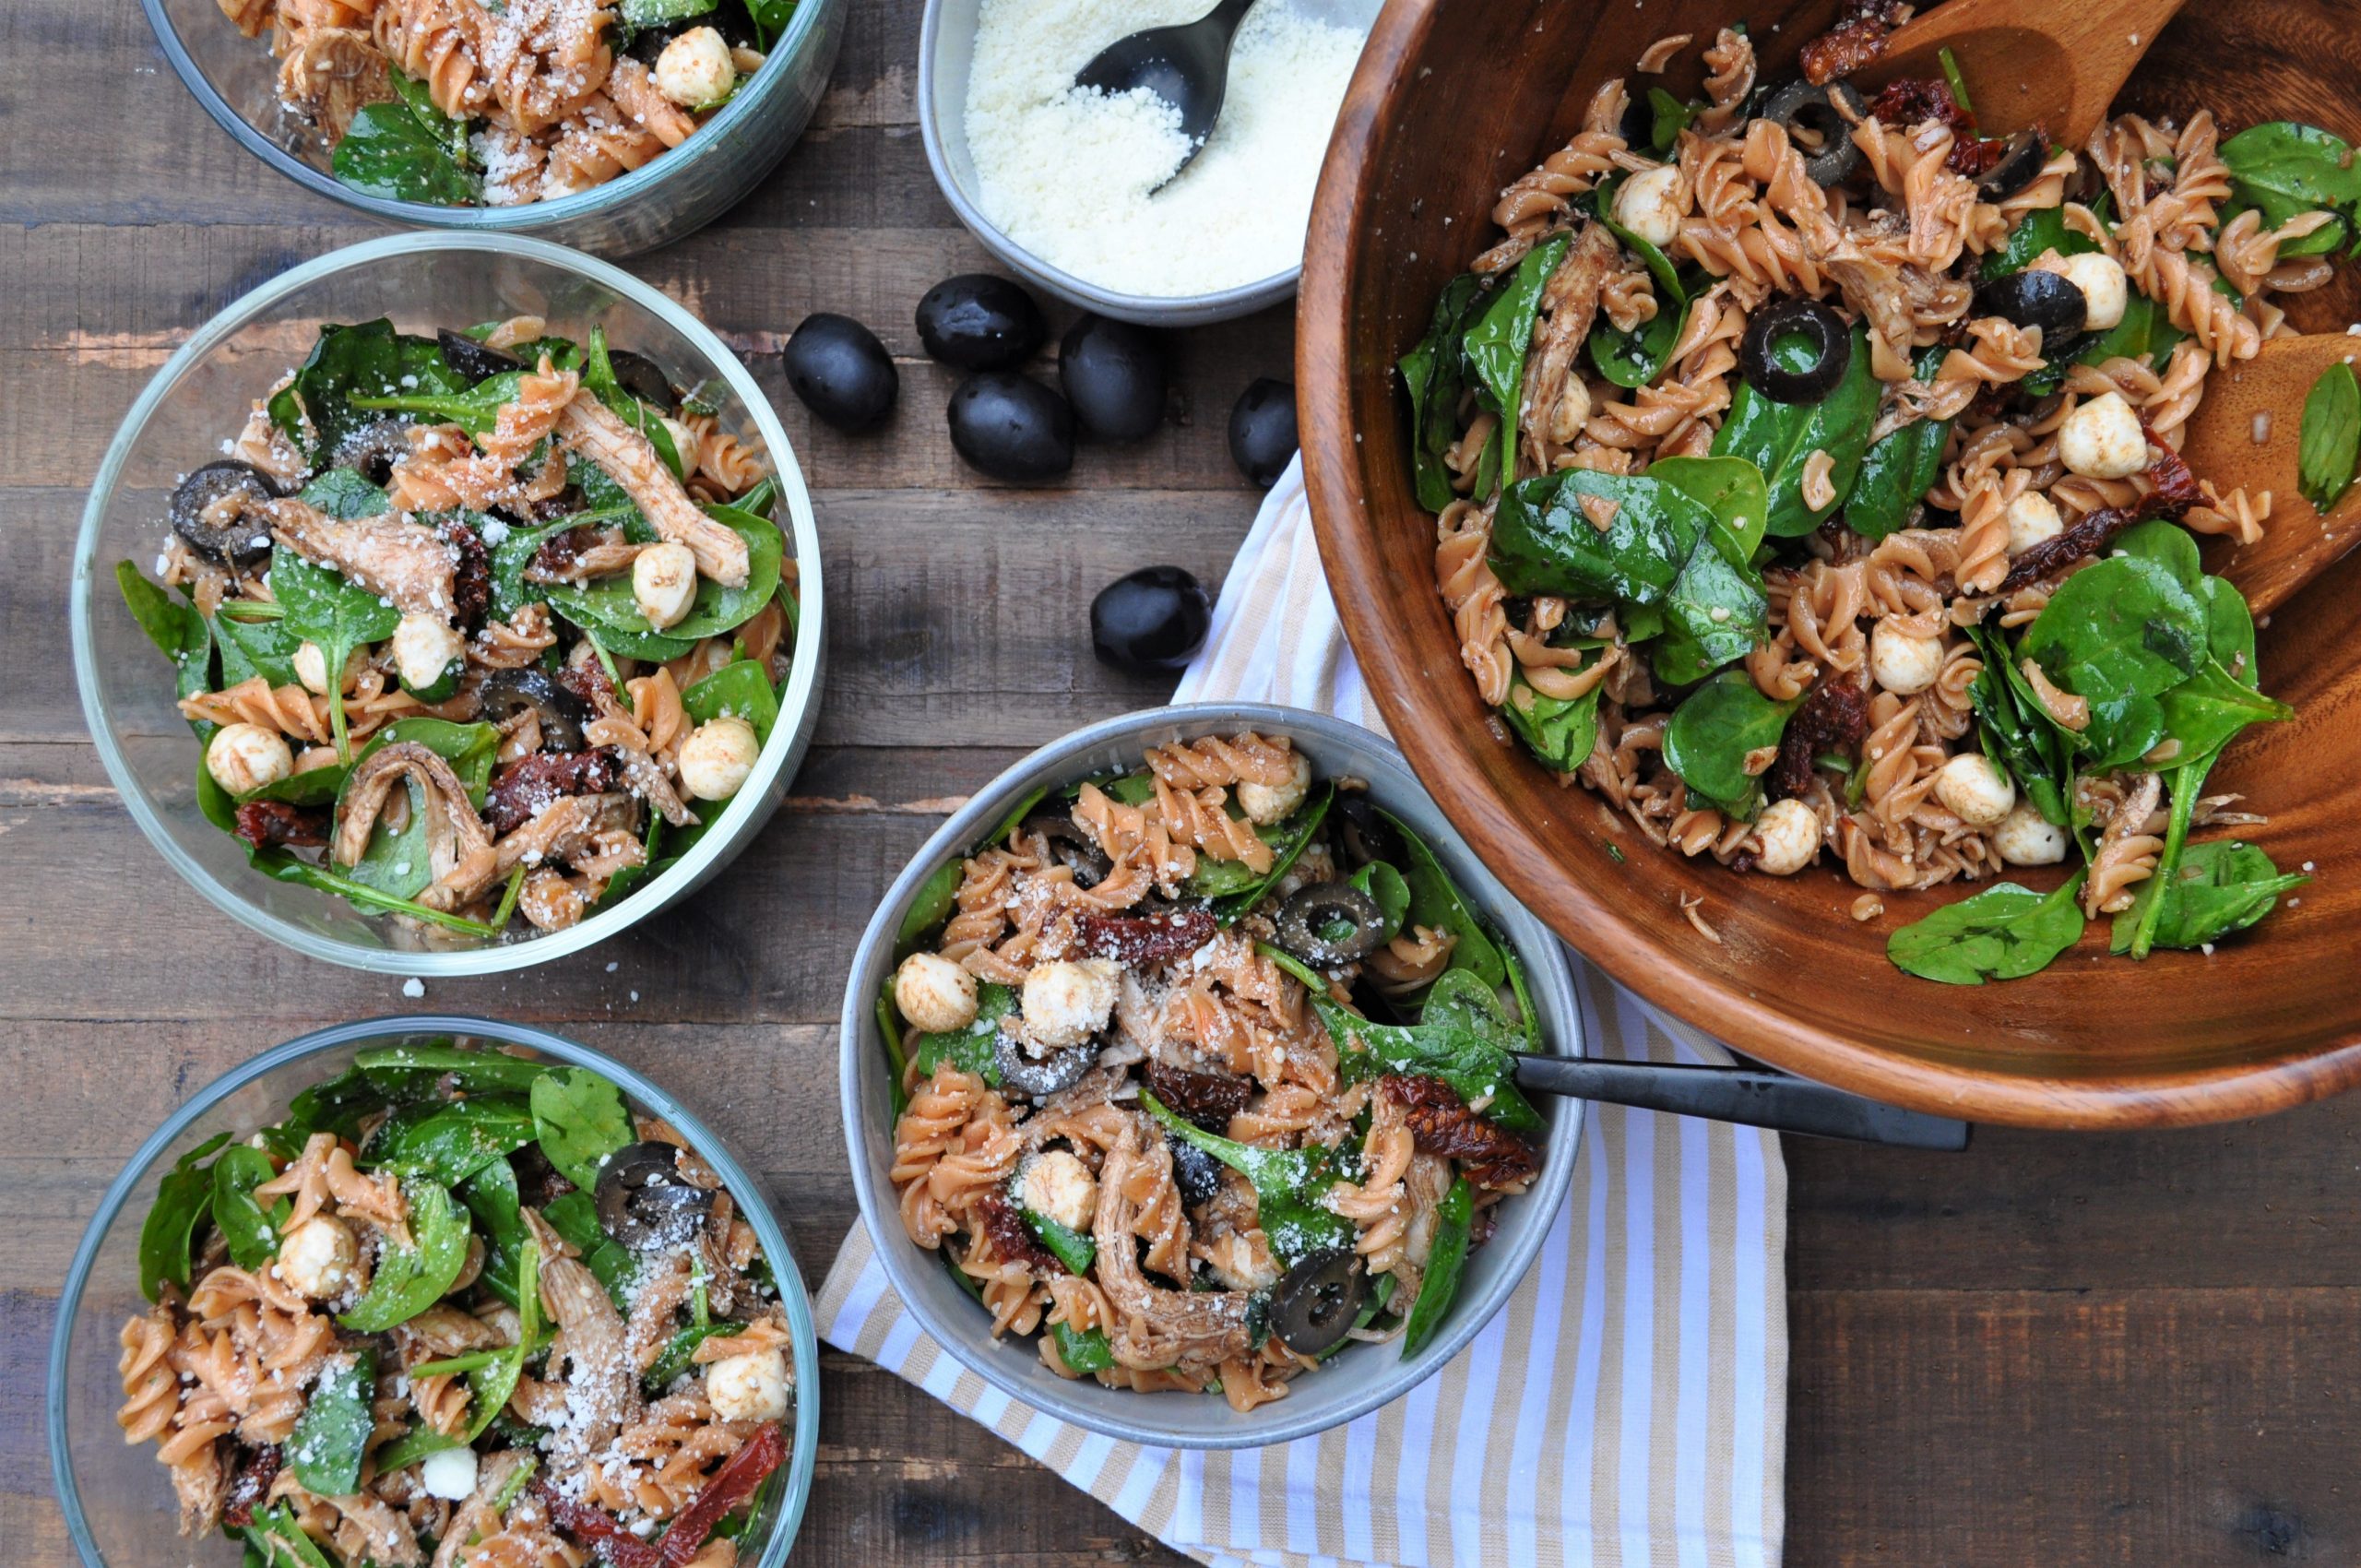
2057	64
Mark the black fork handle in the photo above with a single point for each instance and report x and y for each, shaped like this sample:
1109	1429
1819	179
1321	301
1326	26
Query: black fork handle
1750	1096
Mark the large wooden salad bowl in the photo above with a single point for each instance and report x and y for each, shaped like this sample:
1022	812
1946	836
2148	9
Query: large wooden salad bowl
1454	99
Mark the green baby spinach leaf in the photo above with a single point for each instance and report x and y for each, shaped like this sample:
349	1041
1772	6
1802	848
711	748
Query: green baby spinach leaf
389	152
2206	712
606	605
2146	332
1084	1352
345	493
491	1381
575	1218
1287	841
1435	376
491	1196
338	615
657	13
2282	170
1497	345
1731	489
1437	904
450	1140
2004	933
176	628
168	1236
409	1279
770	18
251	648
250	1231
1389	892
2218	889
1288	1185
332	1434
2119	633
680	1355
1779	438
969	1049
937	897
1716	730
365	360
2017	734
1636	358
1068	1246
598	375
1671	117
1560	732
1544	539
2038	233
1900	468
417	1069
1455	1226
581	1120
474	408
276	1540
2330	449
741	689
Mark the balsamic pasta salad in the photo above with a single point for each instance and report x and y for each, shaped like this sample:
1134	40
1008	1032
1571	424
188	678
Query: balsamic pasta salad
1808	482
461	1308
1203	1072
477	631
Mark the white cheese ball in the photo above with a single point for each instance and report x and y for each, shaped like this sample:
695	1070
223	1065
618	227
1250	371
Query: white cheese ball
684	444
424	647
2026	838
2102	439
1059	1186
1904	664
1649	205
752	1387
2104	293
718	759
695	70
1068	1001
1976	790
312	668
1267	804
316	1257
934	994
1790	835
449	1474
664	583
2032	518
245	757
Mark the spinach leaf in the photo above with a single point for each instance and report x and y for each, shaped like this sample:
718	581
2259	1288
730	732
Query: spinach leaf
1716	611
491	1381
1560	732
2205	712
2118	634
415	1067
581	1120
365	360
1715	730
969	1049
2219	889
470	749
276	1540
412	1278
174	627
323	608
1287	841
491	1196
251	647
1436	903
475	409
740	688
598	375
1070	1247
606	603
1636	358
1085	1352
2145	332
251	1234
1731	489
2284	168
575	1218
1543	540
448	132
770	18
389	152
681	1355
1901	467
450	1140
1288	1185
937	897
657	13
1389	892
345	493
1671	117
2017	733
2330	444
2038	233
168	1236
1455	1226
2004	933
332	1434
1779	438
1497	345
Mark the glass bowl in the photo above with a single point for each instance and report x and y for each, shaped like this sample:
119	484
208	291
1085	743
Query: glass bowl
201	395
1356	1380
118	1501
674	195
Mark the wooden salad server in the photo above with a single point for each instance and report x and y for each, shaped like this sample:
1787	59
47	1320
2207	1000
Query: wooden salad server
2057	64
1752	1097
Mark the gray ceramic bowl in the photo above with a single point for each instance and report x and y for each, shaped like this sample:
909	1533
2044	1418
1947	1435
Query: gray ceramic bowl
1357	1380
946	52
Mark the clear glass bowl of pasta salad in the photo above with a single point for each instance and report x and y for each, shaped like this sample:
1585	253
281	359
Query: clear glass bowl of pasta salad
184	433
200	1326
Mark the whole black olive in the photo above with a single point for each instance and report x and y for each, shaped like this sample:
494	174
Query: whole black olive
241	537
1039	1077
471	359
1195	1172
1329	923
1114	375
842	373
2019	167
1012	428
645	1202
1262	431
1315	1303
372	449
1774	371
2031	297
1800	106
1070	846
1366	835
977	321
1153	619
507	692
643	378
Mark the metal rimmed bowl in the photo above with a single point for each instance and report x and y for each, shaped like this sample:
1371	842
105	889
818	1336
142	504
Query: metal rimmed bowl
202	394
672	196
118	1502
1356	1380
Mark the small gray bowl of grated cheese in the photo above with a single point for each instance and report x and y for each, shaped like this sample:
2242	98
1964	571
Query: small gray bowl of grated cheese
1056	181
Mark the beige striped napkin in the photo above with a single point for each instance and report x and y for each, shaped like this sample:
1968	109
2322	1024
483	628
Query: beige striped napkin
1628	1405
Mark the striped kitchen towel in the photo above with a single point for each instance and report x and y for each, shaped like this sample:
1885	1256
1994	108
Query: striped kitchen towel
1628	1405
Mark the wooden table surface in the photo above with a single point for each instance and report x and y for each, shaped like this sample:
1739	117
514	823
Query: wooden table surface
2134	1350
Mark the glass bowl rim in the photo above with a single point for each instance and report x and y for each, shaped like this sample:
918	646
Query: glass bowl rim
737	1179
798	709
515	221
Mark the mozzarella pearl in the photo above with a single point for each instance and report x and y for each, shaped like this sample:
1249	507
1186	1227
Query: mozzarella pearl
1267	804
718	759
1978	792
424	647
2026	838
2102	439
664	583
2032	518
1059	1186
1649	205
312	668
752	1387
245	757
1068	1001
695	70
934	994
1790	835
449	1474
2104	293
1904	664
316	1257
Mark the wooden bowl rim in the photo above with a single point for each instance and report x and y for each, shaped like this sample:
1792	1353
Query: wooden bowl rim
1658	972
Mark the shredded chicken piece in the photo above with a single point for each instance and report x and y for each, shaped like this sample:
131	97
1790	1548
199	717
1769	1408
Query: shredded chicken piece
408	563
601	1383
459	847
560	831
589	427
1569	300
1162	1327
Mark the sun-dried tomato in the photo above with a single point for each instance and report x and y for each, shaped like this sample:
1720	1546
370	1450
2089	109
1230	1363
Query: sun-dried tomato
471	575
1856	41
257	1467
1013	1239
1209	1099
1442	1125
1914	101
267	825
729	1486
605	1534
1133	940
1833	718
2172	490
531	783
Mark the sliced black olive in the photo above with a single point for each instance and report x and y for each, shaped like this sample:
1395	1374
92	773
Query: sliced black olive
1039	1077
508	693
1262	432
1329	923
1827	145
372	449
1830	347
1114	375
473	360
645	1203
2019	166
1012	428
2031	297
643	378
1366	836
1151	620
1071	847
842	373
1317	1301
977	321
241	536
1195	1172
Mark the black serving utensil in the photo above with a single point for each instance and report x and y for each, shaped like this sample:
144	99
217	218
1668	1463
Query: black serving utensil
1186	65
1753	1096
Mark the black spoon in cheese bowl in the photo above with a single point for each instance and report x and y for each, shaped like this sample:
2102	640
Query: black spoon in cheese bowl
1186	65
